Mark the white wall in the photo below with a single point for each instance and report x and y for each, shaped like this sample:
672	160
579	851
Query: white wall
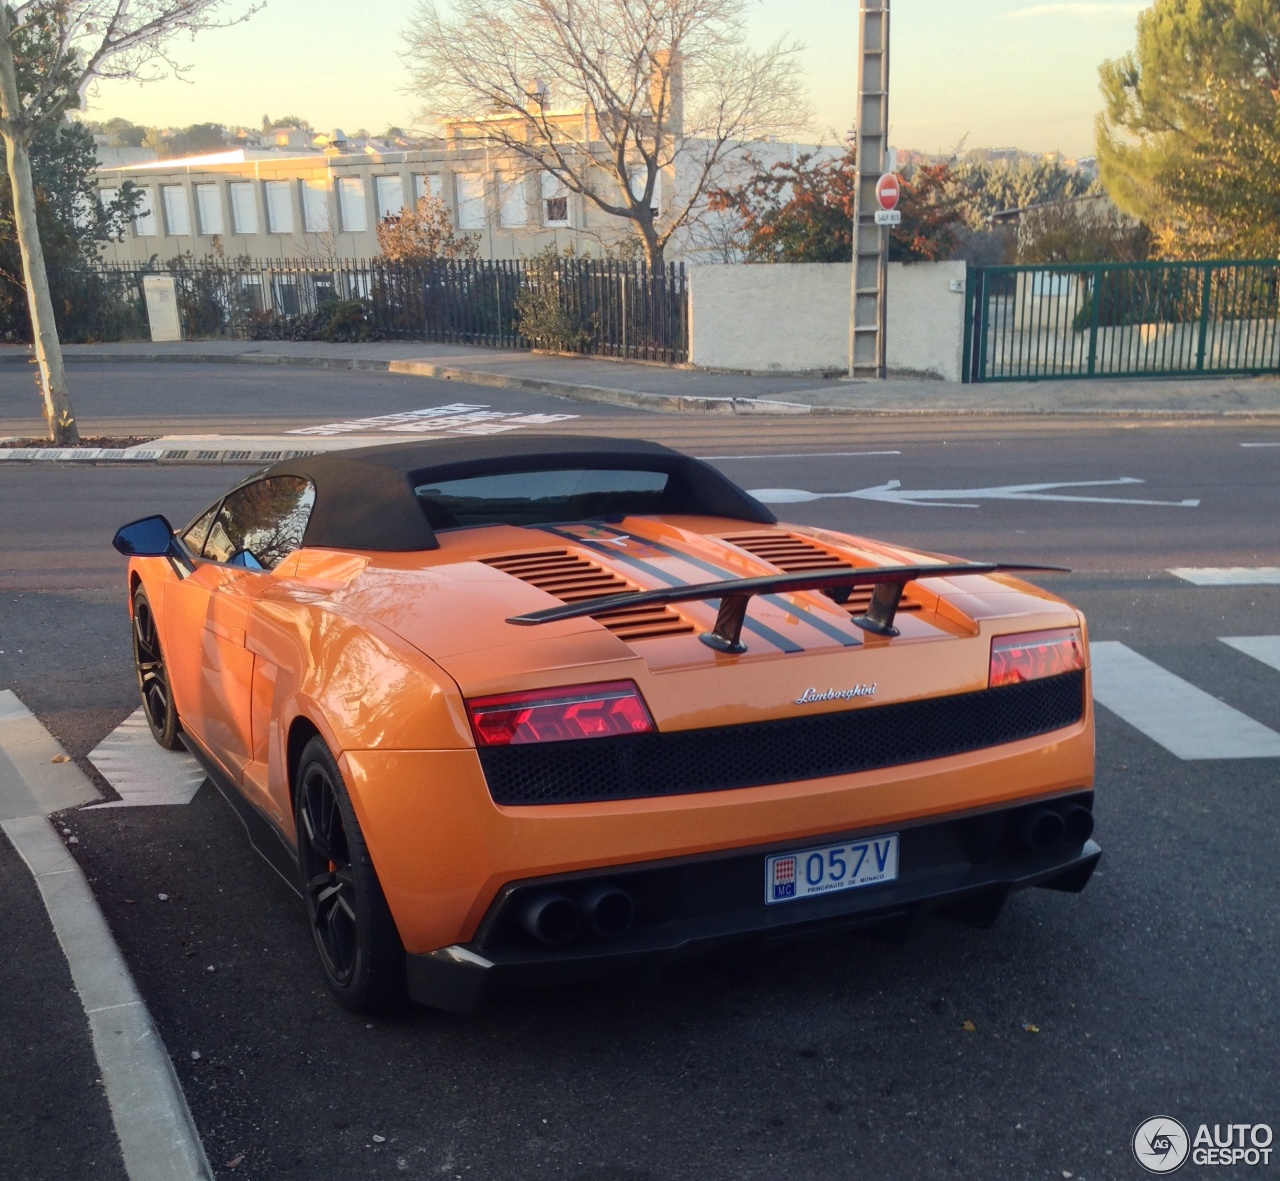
794	317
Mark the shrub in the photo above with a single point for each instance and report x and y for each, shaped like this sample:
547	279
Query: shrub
338	321
548	313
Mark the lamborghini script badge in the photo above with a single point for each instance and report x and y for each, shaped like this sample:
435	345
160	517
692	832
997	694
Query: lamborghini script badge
809	696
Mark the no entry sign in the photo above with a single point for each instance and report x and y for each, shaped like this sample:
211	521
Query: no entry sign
887	191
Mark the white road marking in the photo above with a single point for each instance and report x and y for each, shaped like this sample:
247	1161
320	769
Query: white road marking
802	455
36	776
1228	575
893	492
1186	721
158	1138
457	418
1263	648
143	772
1260	444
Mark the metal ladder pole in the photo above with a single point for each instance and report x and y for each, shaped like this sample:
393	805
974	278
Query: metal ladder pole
870	241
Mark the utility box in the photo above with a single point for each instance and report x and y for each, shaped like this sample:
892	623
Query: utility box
161	293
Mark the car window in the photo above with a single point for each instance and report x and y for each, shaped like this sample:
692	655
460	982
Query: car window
198	530
262	523
537	498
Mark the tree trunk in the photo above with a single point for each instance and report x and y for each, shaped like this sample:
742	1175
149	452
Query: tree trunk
652	247
44	331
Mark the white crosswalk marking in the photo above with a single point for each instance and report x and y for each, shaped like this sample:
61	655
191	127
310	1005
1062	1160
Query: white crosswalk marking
1186	721
1264	648
143	772
1228	575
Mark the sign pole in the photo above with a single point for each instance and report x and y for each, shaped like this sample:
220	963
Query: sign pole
870	240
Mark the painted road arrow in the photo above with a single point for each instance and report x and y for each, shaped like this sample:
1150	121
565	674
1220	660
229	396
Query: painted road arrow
893	492
143	772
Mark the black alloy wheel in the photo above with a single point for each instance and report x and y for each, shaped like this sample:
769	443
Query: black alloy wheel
153	677
355	935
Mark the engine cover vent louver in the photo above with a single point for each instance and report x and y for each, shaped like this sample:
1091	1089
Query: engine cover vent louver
793	554
573	579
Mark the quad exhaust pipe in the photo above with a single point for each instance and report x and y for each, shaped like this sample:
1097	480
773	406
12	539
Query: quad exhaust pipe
1078	822
1041	830
551	918
1044	830
555	919
608	910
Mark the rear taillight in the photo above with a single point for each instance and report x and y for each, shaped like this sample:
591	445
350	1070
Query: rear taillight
1033	655
555	715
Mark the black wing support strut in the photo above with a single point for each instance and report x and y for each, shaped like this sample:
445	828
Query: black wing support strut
735	595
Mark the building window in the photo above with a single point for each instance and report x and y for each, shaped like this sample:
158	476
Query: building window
285	291
390	193
315	206
144	215
251	293
177	213
107	198
324	288
209	209
279	207
513	208
427	184
244	208
555	201
470	190
351	204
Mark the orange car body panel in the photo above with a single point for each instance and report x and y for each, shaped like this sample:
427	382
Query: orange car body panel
339	641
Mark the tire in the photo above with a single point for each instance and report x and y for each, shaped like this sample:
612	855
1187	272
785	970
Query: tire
355	936
153	676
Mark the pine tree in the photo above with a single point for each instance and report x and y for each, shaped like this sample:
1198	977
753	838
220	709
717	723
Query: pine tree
1189	140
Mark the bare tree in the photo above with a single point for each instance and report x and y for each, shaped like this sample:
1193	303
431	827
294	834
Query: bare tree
79	41
609	95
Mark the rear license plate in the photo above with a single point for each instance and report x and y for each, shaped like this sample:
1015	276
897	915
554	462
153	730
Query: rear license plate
807	872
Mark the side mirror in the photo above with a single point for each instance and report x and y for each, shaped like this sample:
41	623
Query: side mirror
151	537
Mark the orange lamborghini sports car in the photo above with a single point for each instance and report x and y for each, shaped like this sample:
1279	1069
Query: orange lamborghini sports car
514	710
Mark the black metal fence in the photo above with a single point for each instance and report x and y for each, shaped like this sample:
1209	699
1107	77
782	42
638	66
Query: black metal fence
1156	319
599	307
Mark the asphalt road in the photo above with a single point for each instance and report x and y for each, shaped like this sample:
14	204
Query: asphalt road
1154	992
158	399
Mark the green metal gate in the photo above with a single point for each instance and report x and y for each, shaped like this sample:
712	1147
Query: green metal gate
1144	319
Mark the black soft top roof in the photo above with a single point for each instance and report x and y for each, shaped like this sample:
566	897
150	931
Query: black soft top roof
365	497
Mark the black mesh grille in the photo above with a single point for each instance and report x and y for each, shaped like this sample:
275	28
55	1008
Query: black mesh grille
780	751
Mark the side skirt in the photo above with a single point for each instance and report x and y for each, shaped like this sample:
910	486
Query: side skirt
264	836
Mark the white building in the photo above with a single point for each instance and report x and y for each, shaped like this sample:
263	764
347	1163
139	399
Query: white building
326	205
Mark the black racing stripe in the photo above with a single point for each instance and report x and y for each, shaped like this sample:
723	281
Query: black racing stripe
759	629
846	639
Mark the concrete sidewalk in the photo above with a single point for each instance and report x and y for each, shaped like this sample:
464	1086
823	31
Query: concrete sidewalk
667	388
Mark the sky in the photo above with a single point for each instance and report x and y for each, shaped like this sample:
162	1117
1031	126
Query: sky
994	73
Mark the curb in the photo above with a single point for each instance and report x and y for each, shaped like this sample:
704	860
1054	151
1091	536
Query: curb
152	454
636	399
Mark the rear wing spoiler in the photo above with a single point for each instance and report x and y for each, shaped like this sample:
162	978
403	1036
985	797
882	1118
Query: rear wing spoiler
736	594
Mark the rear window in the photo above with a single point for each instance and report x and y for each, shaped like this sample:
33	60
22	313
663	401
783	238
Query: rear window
540	498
